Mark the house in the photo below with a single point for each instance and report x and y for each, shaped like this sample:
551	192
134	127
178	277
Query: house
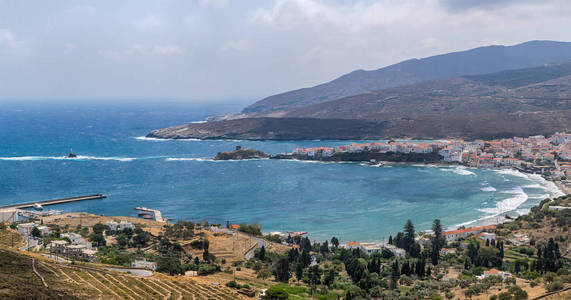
445	251
57	247
519	239
486	236
124	225
370	248
77	239
454	235
26	228
494	272
422	241
112	225
352	245
143	264
80	252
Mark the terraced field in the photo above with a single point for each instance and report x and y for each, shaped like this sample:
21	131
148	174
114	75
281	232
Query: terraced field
9	238
19	281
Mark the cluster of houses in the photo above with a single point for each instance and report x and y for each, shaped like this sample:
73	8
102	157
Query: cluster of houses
79	248
537	153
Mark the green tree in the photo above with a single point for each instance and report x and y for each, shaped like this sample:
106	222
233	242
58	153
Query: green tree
335	242
409	234
97	239
99	228
169	265
36	232
282	269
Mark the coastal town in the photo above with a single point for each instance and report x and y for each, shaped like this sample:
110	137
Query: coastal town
547	156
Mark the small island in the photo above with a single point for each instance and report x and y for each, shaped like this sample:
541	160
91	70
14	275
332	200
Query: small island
240	154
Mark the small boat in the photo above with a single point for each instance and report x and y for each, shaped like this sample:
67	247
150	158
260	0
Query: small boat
38	206
71	154
145	215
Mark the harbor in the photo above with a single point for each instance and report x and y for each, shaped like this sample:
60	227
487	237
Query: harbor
156	213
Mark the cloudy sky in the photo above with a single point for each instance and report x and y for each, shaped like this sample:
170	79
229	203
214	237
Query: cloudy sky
213	50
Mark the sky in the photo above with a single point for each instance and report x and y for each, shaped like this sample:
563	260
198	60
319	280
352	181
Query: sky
240	50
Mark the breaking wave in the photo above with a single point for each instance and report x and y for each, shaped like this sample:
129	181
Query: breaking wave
488	189
508	204
459	171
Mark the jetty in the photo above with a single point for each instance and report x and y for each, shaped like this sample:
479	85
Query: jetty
157	213
54	201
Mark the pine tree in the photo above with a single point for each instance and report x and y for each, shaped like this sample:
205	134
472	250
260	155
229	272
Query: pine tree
394	275
409	234
299	270
390	239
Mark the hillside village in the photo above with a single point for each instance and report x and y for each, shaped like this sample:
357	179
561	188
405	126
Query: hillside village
548	156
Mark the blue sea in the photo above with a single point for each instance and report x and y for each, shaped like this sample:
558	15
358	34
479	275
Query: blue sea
349	200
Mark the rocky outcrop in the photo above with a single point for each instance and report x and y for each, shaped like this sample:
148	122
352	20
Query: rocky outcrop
240	154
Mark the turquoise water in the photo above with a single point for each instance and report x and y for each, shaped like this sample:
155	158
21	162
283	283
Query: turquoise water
349	200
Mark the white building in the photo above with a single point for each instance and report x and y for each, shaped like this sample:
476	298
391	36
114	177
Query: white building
143	264
77	239
26	228
8	215
370	248
124	225
486	236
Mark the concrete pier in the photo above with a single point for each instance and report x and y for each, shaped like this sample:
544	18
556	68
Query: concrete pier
55	201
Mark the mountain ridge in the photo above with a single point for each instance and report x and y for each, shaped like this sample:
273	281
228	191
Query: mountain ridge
481	60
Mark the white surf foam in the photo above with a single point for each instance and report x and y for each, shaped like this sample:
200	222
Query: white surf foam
488	189
78	158
188	159
507	204
511	172
144	138
459	170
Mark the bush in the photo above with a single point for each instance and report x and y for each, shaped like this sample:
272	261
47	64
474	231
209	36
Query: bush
276	293
206	269
554	286
530	275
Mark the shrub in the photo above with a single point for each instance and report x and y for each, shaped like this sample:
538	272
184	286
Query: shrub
554	286
205	269
277	293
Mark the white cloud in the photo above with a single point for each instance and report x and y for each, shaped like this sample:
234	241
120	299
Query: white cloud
138	50
9	41
214	3
237	45
356	17
149	23
431	42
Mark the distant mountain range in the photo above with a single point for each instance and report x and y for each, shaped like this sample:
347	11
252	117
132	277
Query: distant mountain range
480	60
506	102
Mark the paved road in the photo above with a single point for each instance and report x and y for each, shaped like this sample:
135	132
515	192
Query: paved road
33	243
57	258
260	242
